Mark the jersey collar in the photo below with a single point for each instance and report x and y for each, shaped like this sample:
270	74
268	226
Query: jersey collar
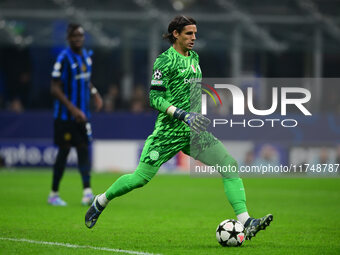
179	54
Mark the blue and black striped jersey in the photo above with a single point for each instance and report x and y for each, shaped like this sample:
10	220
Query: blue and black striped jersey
74	71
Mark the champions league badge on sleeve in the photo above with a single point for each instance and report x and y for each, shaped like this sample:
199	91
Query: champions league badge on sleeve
157	74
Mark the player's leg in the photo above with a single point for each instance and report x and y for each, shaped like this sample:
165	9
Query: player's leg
121	186
146	170
128	182
59	166
81	138
212	152
84	166
60	129
156	151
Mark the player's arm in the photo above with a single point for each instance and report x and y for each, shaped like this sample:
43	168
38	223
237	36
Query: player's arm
196	121
98	101
157	100
57	92
159	85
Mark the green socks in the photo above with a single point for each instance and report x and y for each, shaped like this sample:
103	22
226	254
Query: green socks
234	190
125	184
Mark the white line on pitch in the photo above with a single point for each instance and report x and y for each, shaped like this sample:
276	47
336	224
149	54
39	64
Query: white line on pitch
76	246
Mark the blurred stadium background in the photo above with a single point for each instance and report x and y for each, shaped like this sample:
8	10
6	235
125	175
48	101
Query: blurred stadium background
289	38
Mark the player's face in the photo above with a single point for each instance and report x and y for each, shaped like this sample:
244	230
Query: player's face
76	38
186	39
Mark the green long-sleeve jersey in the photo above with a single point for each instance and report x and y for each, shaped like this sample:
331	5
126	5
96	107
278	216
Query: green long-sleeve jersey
175	81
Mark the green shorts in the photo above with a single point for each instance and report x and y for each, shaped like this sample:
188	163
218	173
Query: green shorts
158	149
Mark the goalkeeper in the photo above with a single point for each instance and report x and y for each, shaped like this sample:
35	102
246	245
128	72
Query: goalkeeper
176	94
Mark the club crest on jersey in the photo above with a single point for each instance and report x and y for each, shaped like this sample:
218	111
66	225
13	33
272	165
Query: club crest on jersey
154	155
157	74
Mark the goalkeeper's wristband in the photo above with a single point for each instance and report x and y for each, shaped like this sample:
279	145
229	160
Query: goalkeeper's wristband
171	110
176	113
180	114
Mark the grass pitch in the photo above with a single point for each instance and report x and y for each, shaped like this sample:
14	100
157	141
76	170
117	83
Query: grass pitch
170	215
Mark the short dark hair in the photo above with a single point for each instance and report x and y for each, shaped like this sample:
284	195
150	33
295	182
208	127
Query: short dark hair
178	23
71	28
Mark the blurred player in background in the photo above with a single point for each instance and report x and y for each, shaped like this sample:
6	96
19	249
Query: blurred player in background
72	88
176	93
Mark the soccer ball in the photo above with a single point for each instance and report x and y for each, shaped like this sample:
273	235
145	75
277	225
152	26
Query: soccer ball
230	233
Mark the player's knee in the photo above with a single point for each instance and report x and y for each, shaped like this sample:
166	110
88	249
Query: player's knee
64	148
142	182
82	146
232	163
230	167
139	181
228	162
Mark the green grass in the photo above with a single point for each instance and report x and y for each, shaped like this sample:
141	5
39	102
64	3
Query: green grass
170	215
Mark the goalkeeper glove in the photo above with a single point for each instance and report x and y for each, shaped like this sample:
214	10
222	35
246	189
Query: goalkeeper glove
196	121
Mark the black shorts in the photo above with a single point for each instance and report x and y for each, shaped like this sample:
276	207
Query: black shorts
72	133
